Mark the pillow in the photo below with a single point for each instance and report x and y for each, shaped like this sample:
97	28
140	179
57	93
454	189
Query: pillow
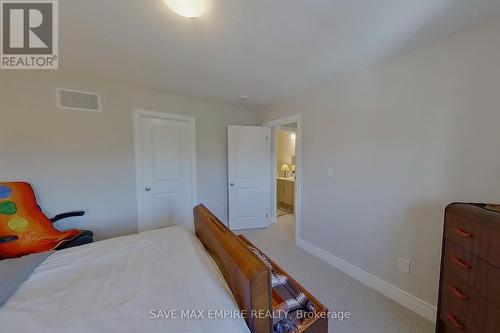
13	272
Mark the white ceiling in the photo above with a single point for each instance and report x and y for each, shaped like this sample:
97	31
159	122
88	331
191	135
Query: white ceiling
266	49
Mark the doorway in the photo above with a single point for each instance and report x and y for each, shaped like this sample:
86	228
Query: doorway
286	171
286	168
166	169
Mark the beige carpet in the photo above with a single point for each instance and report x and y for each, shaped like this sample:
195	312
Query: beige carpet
371	311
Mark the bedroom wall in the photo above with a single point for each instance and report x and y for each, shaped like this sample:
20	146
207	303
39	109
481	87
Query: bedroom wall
85	160
404	138
285	149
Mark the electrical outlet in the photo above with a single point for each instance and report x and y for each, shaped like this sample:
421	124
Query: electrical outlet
404	265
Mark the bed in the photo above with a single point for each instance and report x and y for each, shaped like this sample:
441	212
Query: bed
165	280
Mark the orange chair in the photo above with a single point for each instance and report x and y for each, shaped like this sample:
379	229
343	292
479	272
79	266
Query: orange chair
24	228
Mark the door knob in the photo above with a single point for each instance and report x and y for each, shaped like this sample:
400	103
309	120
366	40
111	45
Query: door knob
232	184
147	189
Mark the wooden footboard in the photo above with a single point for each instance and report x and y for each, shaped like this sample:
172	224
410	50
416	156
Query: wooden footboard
317	325
247	276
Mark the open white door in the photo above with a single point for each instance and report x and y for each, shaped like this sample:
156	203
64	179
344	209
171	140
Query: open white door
249	170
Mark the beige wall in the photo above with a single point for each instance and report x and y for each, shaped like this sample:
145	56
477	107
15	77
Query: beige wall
285	149
404	138
85	160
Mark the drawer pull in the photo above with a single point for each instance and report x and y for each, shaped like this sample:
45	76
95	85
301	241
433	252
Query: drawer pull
455	321
459	262
462	233
457	292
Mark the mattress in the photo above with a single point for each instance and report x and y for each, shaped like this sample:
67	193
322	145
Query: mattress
126	284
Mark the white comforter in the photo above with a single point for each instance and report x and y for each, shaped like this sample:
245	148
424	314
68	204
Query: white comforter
114	285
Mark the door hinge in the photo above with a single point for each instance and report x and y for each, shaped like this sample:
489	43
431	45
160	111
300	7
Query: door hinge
267	216
267	138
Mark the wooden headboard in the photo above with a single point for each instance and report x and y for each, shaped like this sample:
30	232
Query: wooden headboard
247	276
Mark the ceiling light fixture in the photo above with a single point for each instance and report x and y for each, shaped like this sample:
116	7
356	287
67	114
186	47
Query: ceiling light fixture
188	8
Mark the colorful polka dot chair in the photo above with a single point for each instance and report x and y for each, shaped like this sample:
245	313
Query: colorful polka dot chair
24	228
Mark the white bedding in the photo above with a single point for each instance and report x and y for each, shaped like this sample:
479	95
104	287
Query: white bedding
113	285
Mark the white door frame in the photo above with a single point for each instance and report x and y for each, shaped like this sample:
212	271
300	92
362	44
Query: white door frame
141	113
275	125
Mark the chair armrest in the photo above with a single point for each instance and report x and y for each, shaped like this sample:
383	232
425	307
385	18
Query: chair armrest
66	215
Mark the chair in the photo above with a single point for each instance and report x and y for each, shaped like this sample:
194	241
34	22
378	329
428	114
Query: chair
25	229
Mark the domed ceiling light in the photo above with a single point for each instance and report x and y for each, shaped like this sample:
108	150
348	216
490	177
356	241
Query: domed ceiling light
188	8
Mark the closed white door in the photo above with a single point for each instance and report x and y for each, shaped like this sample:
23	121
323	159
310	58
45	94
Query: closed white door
249	167
166	169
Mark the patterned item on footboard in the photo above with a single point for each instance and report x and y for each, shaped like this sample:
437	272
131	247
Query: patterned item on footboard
290	306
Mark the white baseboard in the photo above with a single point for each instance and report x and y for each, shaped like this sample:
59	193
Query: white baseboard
398	295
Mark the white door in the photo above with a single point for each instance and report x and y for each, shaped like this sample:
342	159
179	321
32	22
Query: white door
249	168
165	170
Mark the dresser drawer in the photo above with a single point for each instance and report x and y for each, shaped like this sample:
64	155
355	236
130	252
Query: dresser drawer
473	272
489	316
456	315
467	305
475	237
446	327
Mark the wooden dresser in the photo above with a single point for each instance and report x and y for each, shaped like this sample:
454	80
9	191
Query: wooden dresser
469	293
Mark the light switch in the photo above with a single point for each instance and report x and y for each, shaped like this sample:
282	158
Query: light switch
330	172
404	265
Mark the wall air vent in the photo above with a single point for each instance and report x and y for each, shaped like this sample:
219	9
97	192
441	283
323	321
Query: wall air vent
78	100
